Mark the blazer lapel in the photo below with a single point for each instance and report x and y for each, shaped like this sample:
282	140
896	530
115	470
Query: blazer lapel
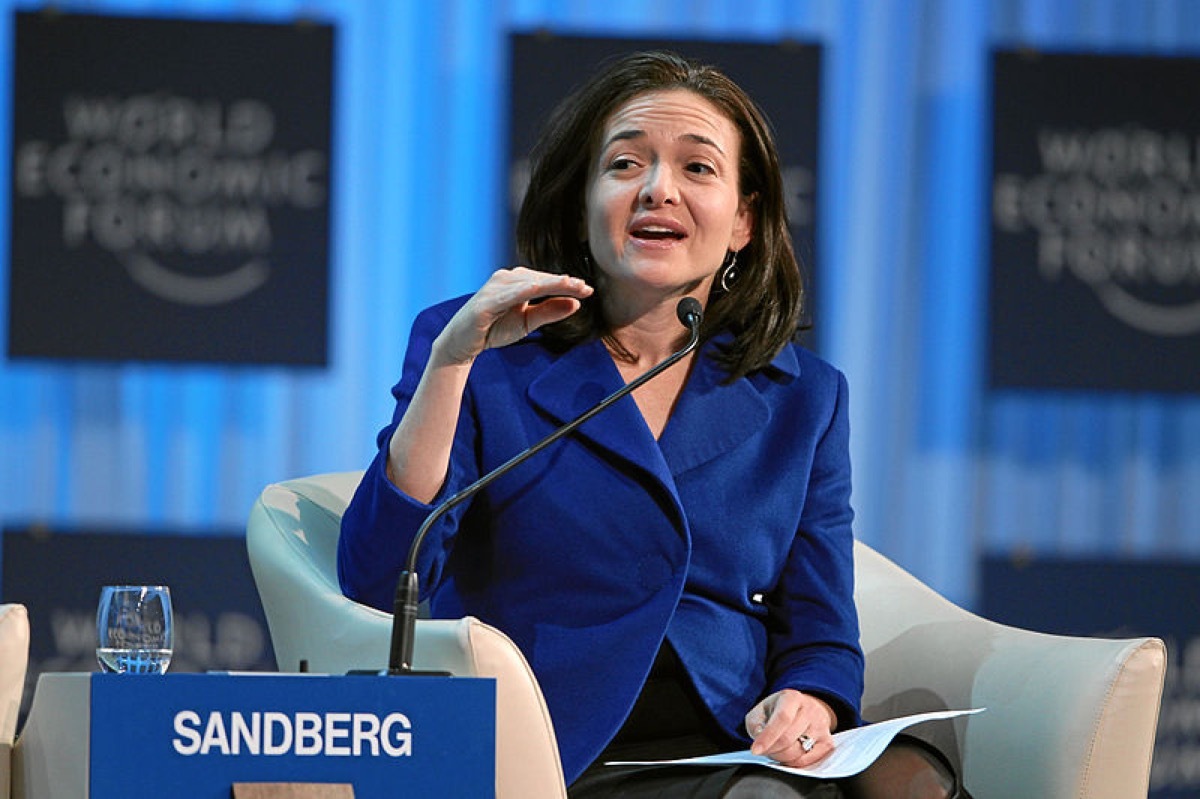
577	381
711	419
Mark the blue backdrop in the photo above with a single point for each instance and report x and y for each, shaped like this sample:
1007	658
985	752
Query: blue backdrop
943	468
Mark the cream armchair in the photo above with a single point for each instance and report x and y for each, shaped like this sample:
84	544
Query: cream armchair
1066	717
292	541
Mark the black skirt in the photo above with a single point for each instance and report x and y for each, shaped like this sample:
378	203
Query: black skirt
669	722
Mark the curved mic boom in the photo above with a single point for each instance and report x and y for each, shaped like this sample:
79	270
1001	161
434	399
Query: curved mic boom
404	608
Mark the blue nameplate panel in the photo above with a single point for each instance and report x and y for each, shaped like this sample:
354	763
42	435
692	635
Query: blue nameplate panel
195	735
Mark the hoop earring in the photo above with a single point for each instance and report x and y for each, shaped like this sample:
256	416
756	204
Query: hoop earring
729	272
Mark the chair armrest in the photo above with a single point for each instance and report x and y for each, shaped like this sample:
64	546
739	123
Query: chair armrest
1066	716
525	732
14	660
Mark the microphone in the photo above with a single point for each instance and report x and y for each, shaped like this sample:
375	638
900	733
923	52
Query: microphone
404	609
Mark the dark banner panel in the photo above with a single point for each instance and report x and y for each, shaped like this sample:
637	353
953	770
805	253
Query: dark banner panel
783	78
1095	223
170	190
219	621
1118	599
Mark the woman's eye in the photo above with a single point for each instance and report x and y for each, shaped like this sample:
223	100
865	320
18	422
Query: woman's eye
621	163
701	168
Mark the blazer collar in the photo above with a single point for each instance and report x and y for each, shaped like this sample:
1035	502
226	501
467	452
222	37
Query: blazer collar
709	420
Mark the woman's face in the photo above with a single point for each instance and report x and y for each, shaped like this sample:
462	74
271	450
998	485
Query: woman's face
662	202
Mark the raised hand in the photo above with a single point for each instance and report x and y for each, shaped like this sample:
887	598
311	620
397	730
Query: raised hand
503	311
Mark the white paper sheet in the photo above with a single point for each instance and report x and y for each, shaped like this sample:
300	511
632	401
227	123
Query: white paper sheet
853	751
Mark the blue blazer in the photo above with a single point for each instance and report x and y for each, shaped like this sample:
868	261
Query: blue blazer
730	536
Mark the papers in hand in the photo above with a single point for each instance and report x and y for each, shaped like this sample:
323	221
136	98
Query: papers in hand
853	751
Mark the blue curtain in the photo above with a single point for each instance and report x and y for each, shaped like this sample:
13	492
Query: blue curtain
944	468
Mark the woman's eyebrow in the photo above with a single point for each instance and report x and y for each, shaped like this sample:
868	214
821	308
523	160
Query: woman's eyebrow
625	135
699	139
636	133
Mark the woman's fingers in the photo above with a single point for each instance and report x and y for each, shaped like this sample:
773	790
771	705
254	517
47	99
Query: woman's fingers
509	306
792	728
524	301
773	722
806	750
548	311
508	288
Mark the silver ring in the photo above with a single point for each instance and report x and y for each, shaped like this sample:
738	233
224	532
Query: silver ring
807	743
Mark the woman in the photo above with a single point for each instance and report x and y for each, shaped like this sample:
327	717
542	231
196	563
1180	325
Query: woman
678	571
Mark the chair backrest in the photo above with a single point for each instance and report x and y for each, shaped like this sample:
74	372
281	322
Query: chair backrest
291	538
1066	716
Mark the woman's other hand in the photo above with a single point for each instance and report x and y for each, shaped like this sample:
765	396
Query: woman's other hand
791	727
504	311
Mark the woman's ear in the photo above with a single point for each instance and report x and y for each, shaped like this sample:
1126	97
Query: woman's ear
743	223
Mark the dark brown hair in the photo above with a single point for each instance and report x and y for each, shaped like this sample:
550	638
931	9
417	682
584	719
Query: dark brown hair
764	306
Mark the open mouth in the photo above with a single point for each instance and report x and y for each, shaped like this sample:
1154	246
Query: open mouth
656	233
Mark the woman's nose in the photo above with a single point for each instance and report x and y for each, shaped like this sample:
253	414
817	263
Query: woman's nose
660	188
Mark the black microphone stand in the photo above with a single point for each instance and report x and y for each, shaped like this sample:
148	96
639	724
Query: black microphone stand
404	608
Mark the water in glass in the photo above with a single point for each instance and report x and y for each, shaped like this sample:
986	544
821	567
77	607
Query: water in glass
134	629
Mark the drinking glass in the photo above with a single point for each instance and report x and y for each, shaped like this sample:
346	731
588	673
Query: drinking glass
133	626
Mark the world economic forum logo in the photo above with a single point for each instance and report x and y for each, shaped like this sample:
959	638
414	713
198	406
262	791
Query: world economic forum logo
1119	210
179	190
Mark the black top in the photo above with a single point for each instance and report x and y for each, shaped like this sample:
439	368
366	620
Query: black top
669	720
